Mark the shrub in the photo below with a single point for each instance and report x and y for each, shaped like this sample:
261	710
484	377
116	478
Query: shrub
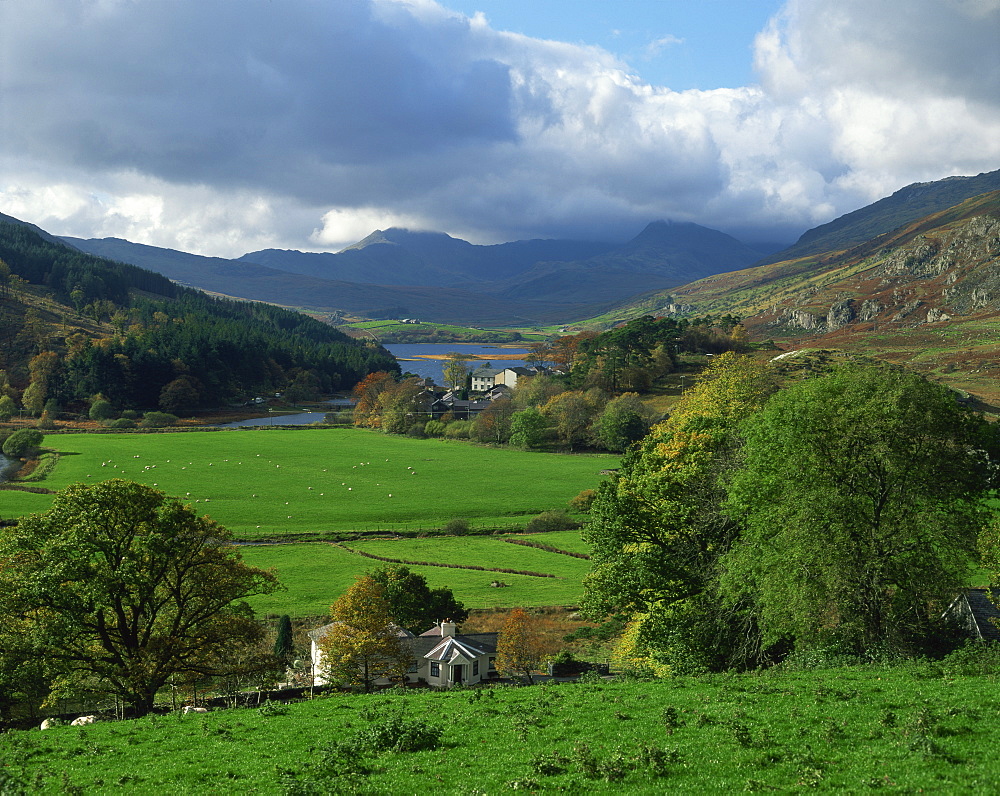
416	430
23	444
459	429
583	501
434	428
398	734
457	527
551	521
101	409
131	414
157	419
121	422
45	421
7	408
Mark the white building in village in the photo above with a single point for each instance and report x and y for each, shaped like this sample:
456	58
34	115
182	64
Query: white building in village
442	657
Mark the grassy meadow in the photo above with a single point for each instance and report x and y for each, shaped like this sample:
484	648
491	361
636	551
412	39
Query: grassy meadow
914	728
273	482
317	573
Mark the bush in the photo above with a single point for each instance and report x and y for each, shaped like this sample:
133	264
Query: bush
551	521
416	430
457	527
7	408
398	734
583	501
434	428
23	444
101	409
131	414
157	420
459	429
121	422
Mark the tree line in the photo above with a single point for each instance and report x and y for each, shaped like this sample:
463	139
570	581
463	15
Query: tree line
594	400
839	515
161	345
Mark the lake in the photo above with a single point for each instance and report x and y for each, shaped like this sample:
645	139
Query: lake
408	355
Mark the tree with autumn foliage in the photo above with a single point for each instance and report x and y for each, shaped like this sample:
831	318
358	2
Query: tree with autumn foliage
364	644
519	647
657	527
367	410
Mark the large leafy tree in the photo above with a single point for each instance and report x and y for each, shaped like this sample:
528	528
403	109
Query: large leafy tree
364	644
121	587
412	603
519	648
657	530
861	494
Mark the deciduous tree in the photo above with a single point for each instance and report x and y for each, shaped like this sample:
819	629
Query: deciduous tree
413	604
519	649
861	493
364	644
657	529
120	585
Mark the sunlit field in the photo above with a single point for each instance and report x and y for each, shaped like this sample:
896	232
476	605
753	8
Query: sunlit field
264	483
910	729
316	574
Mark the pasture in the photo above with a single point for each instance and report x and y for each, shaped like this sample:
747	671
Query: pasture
275	482
919	727
315	574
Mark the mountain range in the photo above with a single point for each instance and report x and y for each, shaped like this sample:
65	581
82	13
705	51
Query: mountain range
401	273
398	273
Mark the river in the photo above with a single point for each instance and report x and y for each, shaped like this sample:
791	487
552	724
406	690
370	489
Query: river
410	357
6	468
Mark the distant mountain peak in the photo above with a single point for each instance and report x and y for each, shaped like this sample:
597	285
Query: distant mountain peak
400	236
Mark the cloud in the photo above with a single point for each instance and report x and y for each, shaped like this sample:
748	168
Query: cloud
221	127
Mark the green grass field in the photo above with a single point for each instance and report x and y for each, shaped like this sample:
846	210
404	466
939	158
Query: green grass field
911	729
263	483
315	574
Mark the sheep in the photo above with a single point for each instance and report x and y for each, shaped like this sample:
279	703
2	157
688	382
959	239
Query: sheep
48	724
82	721
193	709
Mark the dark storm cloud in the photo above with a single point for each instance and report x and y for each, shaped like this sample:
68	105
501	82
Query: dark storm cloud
226	125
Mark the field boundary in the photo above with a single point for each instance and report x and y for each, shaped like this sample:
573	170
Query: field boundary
439	564
548	548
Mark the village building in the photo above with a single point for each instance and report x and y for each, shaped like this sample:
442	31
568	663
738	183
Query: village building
441	657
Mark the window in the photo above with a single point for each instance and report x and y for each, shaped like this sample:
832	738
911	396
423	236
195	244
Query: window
435	669
413	668
475	668
493	664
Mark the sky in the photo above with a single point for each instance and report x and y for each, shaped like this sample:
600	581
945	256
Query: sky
226	126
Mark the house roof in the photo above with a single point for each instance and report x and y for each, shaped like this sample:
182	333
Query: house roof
452	648
482	643
983	612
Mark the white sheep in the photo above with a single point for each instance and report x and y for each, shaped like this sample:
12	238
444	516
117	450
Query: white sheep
48	724
193	709
83	721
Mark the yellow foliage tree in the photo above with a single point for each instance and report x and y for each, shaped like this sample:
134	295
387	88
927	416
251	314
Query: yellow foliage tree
364	644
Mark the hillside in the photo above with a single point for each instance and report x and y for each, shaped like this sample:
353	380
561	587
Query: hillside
927	293
910	729
906	205
75	325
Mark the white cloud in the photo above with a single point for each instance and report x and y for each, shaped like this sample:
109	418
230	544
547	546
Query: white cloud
221	128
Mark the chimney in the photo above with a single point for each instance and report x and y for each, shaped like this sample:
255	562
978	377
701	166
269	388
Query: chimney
447	628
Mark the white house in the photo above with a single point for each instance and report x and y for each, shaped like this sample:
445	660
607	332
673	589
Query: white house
509	376
483	379
442	657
